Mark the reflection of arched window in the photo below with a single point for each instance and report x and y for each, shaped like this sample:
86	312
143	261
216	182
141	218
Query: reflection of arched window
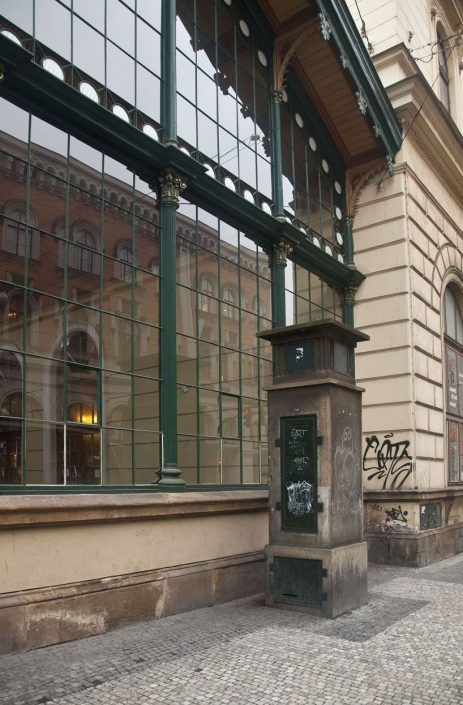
207	291
229	309
10	421
81	348
82	251
10	370
454	395
123	266
444	80
19	315
16	234
83	458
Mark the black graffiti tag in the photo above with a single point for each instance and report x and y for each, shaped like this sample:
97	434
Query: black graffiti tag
392	463
396	514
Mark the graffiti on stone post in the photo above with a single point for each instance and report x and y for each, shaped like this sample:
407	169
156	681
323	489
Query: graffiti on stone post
300	497
346	487
388	461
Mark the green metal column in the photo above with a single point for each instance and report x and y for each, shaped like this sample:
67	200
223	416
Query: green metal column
349	291
170	187
278	252
349	242
277	165
169	72
277	255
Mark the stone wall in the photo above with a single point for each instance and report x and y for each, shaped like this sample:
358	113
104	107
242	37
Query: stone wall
79	565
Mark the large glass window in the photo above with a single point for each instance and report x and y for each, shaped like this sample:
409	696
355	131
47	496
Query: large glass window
222	366
223	95
79	339
109	50
81	263
312	184
454	385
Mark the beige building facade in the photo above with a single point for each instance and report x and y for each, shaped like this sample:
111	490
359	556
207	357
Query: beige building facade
408	240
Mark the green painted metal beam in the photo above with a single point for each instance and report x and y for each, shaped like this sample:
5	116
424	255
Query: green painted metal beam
32	88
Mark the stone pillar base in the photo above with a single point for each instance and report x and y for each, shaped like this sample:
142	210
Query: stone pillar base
322	581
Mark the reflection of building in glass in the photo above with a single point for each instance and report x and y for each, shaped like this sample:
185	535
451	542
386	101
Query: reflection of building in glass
86	324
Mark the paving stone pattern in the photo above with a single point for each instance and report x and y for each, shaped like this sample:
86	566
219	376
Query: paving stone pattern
404	648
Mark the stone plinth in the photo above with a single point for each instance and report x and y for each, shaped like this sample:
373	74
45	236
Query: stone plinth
316	559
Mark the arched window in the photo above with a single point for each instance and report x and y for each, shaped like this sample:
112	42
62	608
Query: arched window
82	253
83	457
123	267
81	348
205	298
17	238
454	389
229	309
10	413
444	80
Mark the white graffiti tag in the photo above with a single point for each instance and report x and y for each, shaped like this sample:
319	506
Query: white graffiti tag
300	497
298	432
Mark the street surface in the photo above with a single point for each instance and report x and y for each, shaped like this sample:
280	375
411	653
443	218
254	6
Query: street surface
404	648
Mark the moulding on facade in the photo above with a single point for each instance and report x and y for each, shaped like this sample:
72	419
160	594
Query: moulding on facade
455	261
26	511
428	123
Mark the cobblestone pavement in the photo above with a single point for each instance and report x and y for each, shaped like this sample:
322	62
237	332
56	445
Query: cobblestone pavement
404	648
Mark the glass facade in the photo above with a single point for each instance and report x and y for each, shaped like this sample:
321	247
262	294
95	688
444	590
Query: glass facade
223	299
80	312
82	266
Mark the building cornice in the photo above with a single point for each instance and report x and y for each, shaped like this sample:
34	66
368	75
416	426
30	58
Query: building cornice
425	120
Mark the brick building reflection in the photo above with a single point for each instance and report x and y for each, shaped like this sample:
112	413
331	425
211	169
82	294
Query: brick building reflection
79	300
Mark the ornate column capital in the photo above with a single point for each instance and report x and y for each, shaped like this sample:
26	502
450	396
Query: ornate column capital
170	187
277	95
278	253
